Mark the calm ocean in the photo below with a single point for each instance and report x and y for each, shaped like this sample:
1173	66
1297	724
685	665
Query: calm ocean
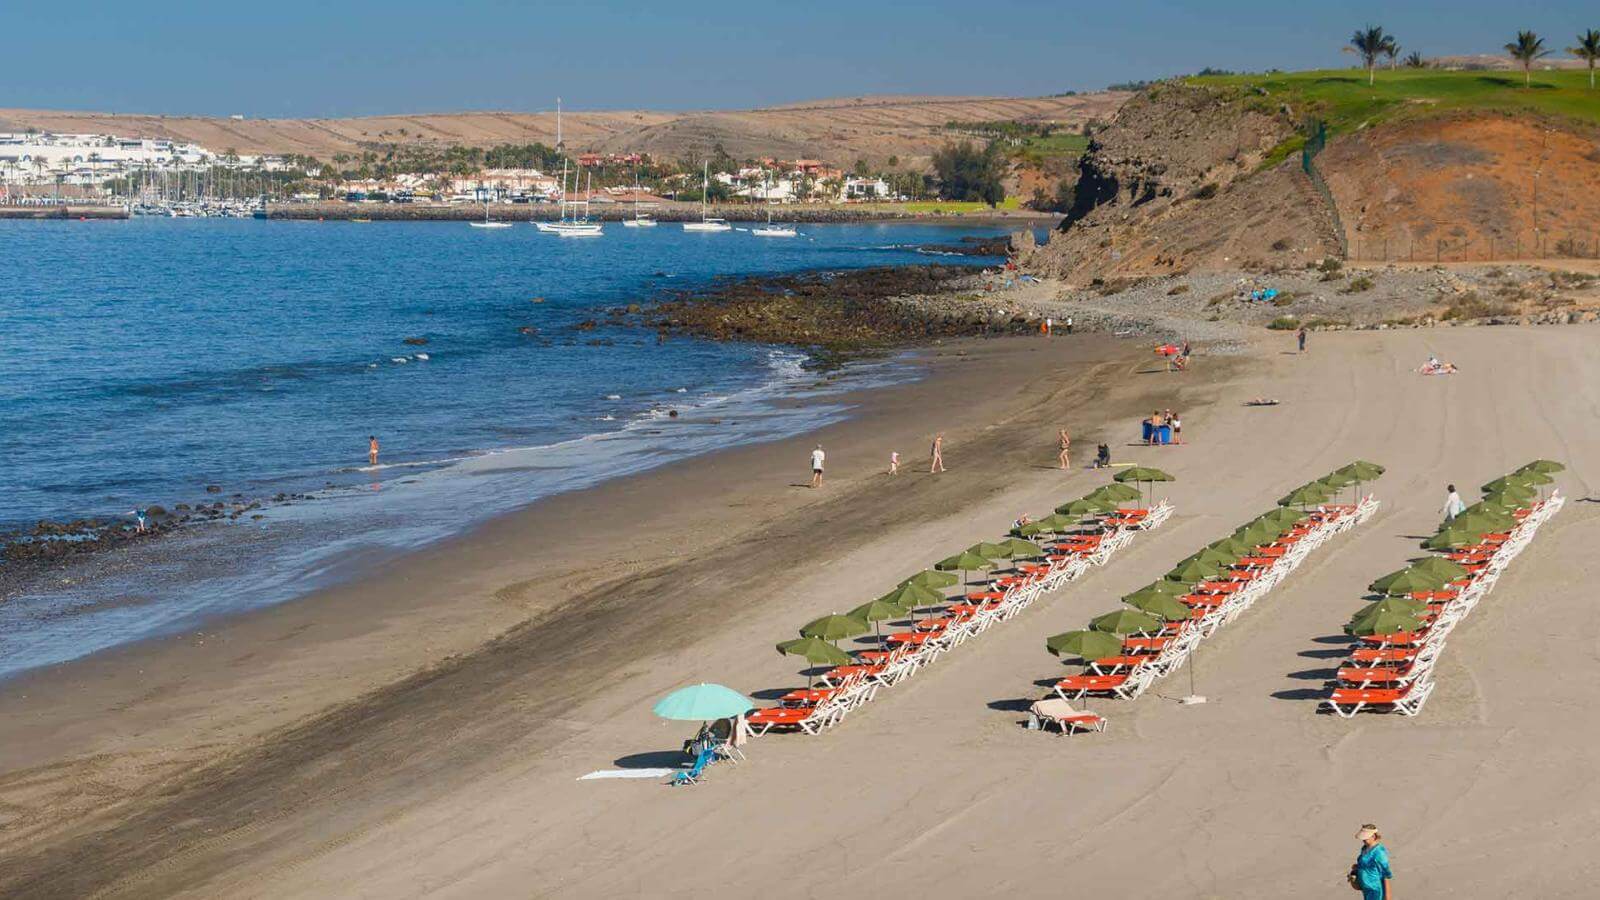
141	361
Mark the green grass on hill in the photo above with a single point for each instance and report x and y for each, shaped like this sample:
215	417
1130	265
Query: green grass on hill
1342	98
946	207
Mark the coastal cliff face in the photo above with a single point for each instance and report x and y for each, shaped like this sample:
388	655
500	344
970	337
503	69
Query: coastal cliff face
1176	182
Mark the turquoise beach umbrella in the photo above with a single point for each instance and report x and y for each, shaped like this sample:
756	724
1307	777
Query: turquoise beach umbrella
702	703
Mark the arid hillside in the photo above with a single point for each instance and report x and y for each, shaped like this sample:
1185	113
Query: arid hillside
1193	175
839	131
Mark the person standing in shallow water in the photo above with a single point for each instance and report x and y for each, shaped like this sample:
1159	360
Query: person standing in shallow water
1371	873
372	450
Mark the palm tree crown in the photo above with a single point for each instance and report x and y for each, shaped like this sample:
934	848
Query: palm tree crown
1370	43
1527	48
1588	50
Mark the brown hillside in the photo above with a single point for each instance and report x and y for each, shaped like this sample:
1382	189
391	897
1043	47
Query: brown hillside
1173	185
1464	188
838	131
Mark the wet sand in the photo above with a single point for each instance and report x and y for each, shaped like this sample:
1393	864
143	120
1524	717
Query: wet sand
302	760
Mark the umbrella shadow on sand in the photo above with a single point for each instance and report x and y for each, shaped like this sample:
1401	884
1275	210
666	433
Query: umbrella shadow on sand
1020	705
1301	694
1335	653
655	759
1313	674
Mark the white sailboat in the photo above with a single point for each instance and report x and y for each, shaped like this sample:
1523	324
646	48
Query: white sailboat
706	223
769	229
570	226
638	221
487	222
580	227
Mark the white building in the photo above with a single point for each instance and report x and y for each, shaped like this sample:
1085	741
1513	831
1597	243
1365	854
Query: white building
95	158
865	189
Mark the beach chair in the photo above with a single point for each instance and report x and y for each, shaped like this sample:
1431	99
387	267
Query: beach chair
1407	701
1068	720
692	774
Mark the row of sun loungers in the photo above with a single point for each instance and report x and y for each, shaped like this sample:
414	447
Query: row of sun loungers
935	630
1156	644
1390	669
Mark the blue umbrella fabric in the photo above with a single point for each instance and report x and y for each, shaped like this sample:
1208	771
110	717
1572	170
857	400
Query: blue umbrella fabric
702	703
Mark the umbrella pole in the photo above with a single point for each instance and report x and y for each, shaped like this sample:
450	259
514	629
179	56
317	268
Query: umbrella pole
1193	699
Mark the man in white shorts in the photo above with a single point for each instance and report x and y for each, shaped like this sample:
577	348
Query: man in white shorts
817	459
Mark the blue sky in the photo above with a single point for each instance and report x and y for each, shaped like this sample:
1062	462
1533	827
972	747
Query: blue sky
359	57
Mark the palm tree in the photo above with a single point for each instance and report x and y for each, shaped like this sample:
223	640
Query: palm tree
1415	61
1527	48
1588	50
1370	43
1392	53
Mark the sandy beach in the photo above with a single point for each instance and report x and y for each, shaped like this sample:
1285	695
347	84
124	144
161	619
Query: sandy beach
420	733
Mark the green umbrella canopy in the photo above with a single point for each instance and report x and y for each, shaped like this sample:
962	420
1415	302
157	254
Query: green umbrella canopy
1141	474
1231	546
1484	522
1023	549
1452	537
702	703
1305	495
965	561
1164	607
1510	499
1086	505
1407	581
1543	466
1446	570
1115	492
1283	516
1361	469
1159	589
1385	623
1337	479
1029	530
1057	522
990	550
1193	570
932	579
1522	482
834	627
1399	605
1213	555
1488	506
910	596
816	651
1084	644
1255	533
1125	621
879	610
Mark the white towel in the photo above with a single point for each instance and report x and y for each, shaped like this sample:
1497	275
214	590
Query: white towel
628	773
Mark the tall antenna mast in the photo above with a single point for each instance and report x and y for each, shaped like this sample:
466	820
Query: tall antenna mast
558	123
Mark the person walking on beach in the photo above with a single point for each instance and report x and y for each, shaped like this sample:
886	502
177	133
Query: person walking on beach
372	449
1065	443
1452	504
936	463
1300	336
817	459
894	462
1371	874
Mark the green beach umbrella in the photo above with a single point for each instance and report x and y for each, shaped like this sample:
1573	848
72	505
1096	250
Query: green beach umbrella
909	596
932	580
1452	537
1256	533
1283	517
1510	499
1392	606
1084	644
815	650
1164	607
1231	546
879	610
990	551
834	627
1125	621
1488	506
1213	555
702	703
1446	570
1306	495
1521	482
1192	571
1168	589
1385	623
1143	475
1366	471
1484	522
1029	530
1408	581
1058	522
965	561
1086	505
1115	492
1543	466
1338	479
1023	549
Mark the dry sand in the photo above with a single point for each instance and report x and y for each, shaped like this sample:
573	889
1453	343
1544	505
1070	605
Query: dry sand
461	781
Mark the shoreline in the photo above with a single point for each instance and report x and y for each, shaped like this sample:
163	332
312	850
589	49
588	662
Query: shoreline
183	698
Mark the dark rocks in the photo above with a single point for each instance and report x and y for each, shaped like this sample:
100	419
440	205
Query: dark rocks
416	341
213	488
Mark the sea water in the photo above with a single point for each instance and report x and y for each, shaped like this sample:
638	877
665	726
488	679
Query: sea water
142	361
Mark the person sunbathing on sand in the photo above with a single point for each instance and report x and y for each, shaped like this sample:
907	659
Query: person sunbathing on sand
1434	367
1262	401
